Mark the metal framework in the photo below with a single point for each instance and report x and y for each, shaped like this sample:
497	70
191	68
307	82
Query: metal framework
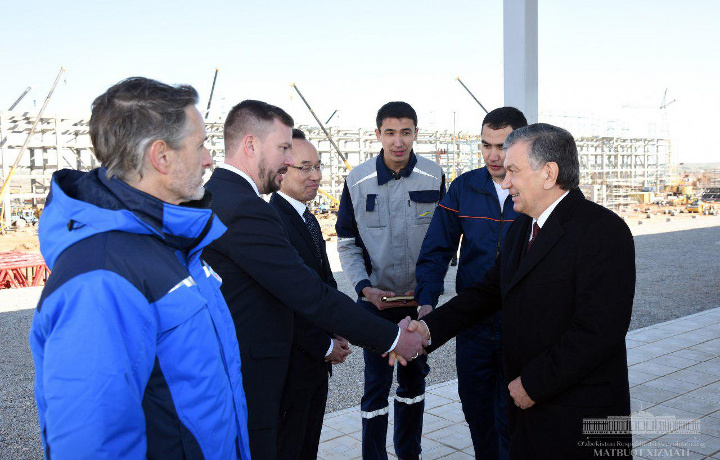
20	269
611	167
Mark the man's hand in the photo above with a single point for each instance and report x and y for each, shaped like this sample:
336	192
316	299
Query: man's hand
375	295
518	394
340	351
343	341
419	327
410	345
424	310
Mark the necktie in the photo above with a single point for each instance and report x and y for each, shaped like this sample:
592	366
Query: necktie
535	230
314	228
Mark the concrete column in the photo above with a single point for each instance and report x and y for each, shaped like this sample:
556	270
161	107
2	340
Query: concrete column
520	50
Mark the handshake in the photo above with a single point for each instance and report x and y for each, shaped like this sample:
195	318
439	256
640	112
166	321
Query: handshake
414	337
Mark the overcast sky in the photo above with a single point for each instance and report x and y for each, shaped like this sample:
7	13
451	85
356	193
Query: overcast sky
599	60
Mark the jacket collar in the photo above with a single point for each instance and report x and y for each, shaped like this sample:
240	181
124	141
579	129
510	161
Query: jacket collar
297	220
385	174
551	233
481	180
83	204
240	173
183	226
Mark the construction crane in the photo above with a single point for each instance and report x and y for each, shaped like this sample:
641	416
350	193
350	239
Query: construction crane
471	94
27	90
664	103
327	134
331	117
212	91
6	184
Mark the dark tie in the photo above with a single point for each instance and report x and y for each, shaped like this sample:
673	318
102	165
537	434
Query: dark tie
535	230
314	229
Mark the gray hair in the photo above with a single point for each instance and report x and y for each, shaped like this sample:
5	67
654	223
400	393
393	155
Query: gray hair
133	114
549	143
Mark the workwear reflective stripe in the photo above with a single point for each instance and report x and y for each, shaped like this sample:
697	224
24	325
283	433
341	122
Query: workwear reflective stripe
414	400
375	413
369	176
418	170
188	282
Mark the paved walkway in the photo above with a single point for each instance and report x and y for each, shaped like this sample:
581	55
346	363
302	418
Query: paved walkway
674	377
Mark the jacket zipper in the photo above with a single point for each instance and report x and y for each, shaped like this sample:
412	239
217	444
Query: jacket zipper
497	254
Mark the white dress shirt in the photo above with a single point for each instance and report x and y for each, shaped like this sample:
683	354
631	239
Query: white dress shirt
502	194
546	213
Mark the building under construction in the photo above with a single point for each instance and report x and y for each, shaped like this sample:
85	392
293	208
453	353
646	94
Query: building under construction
611	167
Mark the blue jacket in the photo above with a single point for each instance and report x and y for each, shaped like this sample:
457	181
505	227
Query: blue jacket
471	209
135	351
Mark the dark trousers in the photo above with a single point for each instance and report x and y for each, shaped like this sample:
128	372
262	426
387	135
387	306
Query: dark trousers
301	422
482	390
409	403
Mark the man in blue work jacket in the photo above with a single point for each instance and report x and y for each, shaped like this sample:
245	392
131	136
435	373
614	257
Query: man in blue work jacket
135	351
478	209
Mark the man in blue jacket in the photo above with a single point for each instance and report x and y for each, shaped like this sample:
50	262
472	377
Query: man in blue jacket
135	351
477	209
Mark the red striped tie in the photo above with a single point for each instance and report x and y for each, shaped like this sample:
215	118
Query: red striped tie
535	230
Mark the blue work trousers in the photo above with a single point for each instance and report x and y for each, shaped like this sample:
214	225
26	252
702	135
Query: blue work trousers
409	403
482	390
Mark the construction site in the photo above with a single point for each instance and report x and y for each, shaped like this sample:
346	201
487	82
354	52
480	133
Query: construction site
613	170
621	172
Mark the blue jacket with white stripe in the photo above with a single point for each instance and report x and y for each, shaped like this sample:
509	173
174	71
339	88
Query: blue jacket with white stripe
135	351
469	209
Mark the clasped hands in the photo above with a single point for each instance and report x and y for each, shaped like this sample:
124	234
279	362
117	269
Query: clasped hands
414	337
340	350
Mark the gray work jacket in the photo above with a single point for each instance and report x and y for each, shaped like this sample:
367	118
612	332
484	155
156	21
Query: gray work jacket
382	221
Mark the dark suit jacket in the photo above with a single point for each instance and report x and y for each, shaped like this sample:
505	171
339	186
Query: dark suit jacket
264	281
308	368
566	310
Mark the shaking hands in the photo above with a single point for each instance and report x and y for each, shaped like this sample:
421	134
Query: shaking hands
414	337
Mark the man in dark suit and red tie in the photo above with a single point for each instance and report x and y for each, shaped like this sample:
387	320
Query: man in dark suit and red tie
314	350
264	280
565	280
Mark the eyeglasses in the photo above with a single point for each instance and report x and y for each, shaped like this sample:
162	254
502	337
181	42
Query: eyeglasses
307	169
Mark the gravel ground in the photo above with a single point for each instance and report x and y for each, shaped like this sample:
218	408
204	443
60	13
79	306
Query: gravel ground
678	274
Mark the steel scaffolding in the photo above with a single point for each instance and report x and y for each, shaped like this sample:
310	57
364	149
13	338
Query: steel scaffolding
611	167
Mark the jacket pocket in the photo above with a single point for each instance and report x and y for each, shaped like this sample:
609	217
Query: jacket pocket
375	211
423	203
178	306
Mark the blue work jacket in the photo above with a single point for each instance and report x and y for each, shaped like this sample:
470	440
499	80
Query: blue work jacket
135	350
469	209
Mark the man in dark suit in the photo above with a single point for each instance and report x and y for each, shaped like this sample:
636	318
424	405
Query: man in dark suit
565	280
314	350
264	278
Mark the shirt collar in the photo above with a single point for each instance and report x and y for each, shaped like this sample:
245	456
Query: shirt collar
546	213
299	206
385	174
241	174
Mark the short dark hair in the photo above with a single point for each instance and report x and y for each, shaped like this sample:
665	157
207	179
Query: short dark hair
505	116
396	109
252	117
131	115
549	143
298	134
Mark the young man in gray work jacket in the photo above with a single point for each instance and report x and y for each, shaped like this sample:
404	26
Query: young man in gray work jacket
385	210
